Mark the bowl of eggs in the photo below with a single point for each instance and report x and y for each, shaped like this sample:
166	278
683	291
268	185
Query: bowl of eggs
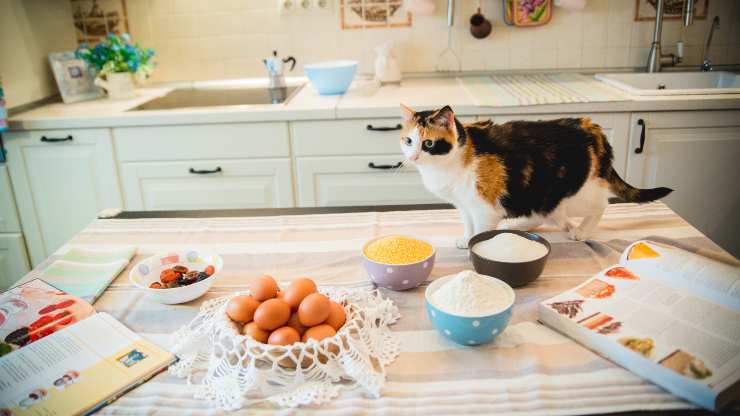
398	262
176	277
516	257
292	318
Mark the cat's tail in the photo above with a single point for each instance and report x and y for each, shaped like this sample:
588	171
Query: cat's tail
629	193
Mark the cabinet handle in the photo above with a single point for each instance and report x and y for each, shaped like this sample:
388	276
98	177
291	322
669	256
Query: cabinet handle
639	150
56	139
372	165
205	172
392	128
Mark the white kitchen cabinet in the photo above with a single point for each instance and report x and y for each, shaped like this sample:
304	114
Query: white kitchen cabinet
8	215
615	126
62	179
207	184
349	180
13	259
696	154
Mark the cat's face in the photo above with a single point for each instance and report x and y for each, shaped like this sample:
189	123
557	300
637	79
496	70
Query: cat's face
428	136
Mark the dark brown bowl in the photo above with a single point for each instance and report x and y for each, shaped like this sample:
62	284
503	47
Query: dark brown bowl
515	274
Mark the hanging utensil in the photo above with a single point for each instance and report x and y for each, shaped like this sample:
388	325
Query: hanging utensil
480	27
448	54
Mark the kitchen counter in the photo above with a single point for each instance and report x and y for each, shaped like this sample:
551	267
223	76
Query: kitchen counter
363	100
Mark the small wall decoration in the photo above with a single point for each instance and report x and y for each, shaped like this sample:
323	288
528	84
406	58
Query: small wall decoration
94	19
359	14
673	9
75	78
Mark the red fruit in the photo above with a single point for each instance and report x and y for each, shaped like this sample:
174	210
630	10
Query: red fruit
65	303
169	275
47	309
209	270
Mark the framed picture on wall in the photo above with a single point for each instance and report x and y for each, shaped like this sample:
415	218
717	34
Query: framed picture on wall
672	9
75	78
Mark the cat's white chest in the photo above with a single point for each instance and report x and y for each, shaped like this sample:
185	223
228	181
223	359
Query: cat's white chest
447	183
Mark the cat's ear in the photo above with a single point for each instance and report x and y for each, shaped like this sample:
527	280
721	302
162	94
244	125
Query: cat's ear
407	114
444	118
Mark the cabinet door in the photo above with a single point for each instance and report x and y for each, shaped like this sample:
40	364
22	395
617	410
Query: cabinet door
345	181
615	126
8	214
13	260
215	184
62	179
696	154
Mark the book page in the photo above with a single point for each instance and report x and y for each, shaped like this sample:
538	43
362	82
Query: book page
630	312
35	309
717	281
71	371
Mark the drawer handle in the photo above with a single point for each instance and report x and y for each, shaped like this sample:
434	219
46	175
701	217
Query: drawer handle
205	172
372	165
639	150
56	139
396	127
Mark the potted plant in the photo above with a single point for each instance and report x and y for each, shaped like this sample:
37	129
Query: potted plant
116	60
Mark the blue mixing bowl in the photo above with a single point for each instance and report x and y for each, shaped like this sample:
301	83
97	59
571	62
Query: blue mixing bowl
331	77
468	330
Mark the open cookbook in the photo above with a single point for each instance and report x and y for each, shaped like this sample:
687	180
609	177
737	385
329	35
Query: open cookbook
60	357
665	314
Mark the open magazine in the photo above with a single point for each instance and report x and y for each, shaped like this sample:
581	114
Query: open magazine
59	356
665	314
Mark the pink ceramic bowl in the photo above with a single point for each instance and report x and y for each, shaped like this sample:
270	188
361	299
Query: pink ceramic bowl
398	276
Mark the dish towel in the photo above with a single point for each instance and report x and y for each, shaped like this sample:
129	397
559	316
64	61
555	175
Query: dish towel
86	273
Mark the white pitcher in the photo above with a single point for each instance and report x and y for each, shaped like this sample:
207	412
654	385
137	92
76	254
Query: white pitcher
118	85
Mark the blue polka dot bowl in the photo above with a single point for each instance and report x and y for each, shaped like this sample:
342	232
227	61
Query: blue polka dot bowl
468	330
398	276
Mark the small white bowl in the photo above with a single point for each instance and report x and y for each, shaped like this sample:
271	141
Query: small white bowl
147	272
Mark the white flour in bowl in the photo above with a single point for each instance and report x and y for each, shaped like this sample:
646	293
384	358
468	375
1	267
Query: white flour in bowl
510	248
471	294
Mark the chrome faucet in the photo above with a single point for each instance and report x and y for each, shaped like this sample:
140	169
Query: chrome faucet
706	63
656	58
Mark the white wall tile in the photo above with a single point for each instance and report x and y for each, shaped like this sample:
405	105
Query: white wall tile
232	36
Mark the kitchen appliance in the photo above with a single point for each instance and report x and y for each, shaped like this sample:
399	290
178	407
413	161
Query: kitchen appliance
387	69
276	69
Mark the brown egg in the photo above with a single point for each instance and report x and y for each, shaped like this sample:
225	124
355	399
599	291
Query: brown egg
337	316
255	332
319	332
241	308
314	309
284	336
294	323
263	288
280	295
271	314
298	290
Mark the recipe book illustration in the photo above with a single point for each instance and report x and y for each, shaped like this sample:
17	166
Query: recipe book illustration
60	357
667	315
86	273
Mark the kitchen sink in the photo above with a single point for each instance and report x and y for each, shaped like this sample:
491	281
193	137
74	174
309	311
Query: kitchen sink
674	83
218	97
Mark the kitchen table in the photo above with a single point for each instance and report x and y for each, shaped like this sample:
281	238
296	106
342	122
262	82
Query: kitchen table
529	369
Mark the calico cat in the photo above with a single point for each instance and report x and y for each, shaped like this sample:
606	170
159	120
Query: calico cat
533	171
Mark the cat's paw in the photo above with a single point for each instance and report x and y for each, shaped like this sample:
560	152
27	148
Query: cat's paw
578	234
462	242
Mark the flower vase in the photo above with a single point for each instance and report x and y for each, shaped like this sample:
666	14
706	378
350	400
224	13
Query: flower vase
118	85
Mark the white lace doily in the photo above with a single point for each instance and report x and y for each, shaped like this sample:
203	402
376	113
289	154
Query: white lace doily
233	370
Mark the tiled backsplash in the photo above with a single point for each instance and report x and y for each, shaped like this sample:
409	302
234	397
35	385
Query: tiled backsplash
213	39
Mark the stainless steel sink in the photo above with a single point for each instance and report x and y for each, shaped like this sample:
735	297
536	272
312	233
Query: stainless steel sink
674	83
218	97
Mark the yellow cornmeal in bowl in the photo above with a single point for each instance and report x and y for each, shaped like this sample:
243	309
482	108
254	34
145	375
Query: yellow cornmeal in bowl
398	250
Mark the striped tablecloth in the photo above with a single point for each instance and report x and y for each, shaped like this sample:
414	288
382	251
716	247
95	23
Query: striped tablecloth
529	369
